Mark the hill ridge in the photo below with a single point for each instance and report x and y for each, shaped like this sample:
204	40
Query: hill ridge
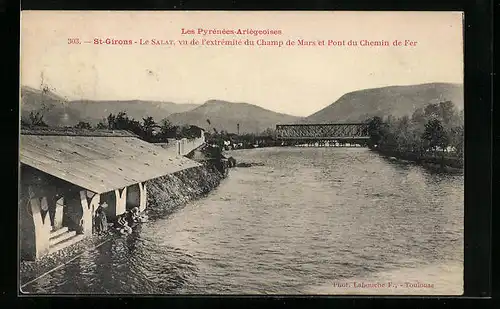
396	100
93	111
354	106
226	115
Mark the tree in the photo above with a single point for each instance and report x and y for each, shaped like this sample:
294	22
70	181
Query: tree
389	138
36	118
448	113
121	121
457	140
148	125
434	127
134	126
184	131
403	134
269	132
101	126
83	125
166	130
418	116
111	122
390	119
375	131
415	142
434	135
432	111
189	131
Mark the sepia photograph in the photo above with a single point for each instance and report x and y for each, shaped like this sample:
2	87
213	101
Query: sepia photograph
241	153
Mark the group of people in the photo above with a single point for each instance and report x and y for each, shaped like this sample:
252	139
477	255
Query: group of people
123	222
129	218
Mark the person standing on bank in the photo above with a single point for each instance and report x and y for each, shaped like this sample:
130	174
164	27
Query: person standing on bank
101	221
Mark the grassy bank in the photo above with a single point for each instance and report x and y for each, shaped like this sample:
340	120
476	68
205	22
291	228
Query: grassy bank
167	193
441	162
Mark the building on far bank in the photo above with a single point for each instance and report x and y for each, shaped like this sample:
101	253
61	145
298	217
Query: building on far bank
197	131
184	146
65	173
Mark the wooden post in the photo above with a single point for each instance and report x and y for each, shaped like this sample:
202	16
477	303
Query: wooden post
41	220
178	147
143	196
58	213
89	202
183	146
120	201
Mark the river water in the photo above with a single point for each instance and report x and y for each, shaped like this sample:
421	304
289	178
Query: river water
302	221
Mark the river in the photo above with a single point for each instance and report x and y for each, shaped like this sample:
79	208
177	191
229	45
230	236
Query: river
302	221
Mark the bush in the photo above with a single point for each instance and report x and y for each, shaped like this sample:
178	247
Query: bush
435	127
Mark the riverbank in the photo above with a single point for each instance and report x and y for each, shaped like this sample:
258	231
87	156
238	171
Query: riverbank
435	163
445	164
281	227
165	194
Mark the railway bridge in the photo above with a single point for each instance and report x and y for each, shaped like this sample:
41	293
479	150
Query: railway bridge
332	134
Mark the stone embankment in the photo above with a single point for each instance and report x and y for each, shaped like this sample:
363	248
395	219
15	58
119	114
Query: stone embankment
167	193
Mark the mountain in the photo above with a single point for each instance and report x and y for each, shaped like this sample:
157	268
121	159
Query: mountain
226	116
61	112
137	109
351	107
55	108
393	100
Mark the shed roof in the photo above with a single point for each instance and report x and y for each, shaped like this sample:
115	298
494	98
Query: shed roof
99	163
75	132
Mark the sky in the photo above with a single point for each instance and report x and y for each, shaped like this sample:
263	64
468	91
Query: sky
297	80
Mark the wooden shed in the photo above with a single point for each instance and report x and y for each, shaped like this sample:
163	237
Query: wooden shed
66	173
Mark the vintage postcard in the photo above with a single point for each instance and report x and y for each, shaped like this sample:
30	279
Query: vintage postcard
241	152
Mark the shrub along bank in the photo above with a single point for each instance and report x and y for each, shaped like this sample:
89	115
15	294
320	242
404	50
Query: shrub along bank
433	135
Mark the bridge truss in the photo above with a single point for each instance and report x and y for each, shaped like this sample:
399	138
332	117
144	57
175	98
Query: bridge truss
340	133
